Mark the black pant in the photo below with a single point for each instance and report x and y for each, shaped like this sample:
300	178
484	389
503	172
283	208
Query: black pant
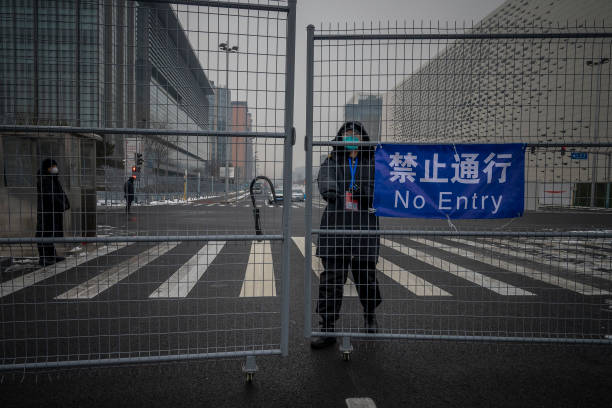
128	205
333	278
46	253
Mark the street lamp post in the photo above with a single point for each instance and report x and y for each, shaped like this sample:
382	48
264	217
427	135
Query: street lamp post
596	63
228	50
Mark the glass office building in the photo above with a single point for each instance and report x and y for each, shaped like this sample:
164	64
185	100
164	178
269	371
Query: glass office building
92	63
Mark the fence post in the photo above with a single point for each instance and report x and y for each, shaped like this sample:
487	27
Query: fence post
308	214
609	156
596	130
287	175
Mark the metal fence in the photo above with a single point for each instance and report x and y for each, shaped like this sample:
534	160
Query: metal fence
544	277
142	247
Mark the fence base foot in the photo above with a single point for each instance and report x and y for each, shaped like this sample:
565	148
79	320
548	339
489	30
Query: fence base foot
250	368
346	348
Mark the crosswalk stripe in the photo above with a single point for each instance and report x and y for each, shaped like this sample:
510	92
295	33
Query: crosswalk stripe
601	244
185	278
413	283
317	266
100	283
259	278
521	270
497	286
32	278
590	248
564	265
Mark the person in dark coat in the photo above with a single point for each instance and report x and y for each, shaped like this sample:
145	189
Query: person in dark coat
51	204
346	182
128	193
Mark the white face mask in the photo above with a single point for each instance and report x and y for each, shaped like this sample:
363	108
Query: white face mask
54	170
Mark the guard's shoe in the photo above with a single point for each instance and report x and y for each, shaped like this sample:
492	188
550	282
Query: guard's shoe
371	325
324	341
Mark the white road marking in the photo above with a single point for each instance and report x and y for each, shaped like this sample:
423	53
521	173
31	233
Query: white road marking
317	266
497	286
248	193
32	278
521	270
259	278
591	247
360	403
185	278
568	265
210	205
100	283
411	282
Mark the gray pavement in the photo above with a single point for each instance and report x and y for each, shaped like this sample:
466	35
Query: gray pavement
390	372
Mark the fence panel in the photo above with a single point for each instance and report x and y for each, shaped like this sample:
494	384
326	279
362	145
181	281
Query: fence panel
542	277
158	115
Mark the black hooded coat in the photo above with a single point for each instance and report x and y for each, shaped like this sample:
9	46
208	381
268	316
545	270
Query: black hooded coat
335	178
52	202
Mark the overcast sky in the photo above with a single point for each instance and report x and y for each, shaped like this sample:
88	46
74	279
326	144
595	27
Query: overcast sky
252	71
324	12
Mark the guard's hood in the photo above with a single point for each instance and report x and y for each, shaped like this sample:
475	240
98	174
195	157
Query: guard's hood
44	167
357	127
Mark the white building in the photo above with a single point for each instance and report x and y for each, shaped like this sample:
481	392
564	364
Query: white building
518	90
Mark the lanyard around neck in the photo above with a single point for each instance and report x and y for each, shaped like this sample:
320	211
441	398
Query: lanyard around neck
353	172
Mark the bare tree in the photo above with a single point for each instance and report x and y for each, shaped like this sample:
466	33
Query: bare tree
157	151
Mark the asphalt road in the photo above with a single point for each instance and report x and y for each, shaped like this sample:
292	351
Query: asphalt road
143	300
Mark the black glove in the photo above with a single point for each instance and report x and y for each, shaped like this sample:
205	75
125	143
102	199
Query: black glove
361	193
365	202
330	196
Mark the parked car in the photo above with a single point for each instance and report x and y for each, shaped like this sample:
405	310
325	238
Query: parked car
278	195
298	195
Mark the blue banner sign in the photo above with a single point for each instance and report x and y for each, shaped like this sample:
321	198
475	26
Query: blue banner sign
579	155
450	181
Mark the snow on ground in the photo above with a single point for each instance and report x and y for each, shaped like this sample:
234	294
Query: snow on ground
168	201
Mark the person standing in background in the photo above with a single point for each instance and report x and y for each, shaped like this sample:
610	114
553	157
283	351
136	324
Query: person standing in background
50	207
128	193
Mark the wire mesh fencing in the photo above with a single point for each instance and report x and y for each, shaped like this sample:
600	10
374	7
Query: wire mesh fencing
543	276
130	133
